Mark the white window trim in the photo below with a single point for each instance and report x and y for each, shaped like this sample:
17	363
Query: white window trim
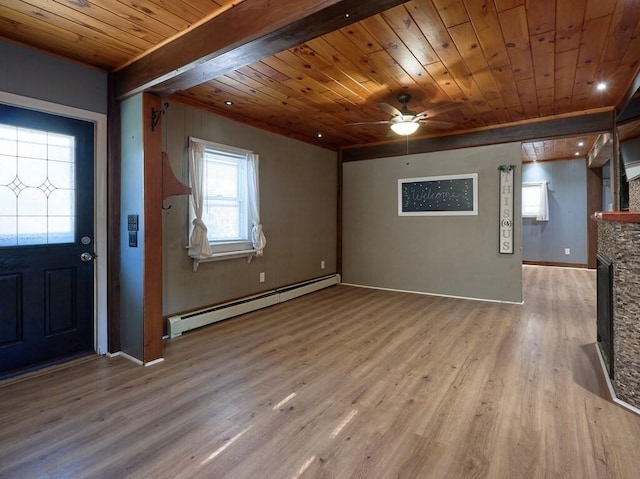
237	243
542	211
249	254
245	248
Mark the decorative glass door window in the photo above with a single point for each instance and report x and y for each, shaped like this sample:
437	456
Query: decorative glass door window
37	187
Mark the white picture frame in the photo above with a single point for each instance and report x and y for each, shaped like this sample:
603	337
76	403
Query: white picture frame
448	195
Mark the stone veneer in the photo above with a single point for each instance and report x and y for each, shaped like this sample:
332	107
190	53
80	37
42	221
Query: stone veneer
619	240
634	195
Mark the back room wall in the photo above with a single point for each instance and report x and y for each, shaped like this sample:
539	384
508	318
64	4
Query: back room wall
443	255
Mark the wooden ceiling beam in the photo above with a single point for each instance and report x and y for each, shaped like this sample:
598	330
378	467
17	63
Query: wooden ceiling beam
554	128
246	33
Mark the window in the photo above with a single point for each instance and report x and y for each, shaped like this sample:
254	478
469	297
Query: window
225	207
535	201
225	198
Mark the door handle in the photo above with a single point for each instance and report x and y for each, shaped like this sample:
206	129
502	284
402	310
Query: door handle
86	256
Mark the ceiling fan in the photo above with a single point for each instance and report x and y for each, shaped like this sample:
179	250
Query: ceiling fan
405	122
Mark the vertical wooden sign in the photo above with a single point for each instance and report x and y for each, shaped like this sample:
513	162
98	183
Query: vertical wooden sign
505	241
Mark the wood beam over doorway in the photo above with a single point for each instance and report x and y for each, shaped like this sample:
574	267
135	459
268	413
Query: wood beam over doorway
595	122
247	32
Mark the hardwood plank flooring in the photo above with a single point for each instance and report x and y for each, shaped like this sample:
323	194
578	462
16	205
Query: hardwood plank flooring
343	383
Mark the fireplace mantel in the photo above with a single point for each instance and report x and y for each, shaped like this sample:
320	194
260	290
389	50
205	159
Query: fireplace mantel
618	216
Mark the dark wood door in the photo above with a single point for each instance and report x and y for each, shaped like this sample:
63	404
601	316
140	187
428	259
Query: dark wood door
46	238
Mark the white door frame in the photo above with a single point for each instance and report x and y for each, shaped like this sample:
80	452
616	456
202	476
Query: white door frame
100	201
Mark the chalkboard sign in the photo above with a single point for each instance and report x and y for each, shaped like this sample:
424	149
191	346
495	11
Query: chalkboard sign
438	195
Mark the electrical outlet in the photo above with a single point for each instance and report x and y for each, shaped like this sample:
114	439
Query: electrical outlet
567	251
322	264
262	277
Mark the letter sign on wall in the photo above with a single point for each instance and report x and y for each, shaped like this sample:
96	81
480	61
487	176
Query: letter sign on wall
505	240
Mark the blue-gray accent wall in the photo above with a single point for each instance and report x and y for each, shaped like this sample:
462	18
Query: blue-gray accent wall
545	241
33	74
132	203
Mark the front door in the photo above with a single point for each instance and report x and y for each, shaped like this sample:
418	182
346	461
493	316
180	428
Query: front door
46	238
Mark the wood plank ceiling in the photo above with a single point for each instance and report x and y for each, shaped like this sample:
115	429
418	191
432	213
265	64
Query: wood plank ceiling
629	130
504	61
558	149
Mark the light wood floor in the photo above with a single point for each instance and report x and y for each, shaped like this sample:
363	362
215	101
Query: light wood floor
343	383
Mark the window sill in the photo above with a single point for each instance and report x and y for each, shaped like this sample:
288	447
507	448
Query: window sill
224	256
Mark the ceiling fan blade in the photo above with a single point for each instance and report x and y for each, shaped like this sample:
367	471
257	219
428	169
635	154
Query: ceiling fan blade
368	123
441	125
389	109
438	109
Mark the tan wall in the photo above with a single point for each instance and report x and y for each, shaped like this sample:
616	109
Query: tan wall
448	255
298	191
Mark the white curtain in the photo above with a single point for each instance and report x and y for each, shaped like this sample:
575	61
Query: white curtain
257	236
543	211
198	243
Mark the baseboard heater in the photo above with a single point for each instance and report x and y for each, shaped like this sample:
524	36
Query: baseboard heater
196	319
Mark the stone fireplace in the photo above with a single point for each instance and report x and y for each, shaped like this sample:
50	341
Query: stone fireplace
604	321
619	252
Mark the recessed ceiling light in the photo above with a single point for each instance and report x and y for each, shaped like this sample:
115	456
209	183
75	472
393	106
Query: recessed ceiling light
347	15
228	103
577	153
581	143
319	135
601	86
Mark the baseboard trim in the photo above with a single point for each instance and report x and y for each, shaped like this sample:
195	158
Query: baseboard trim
612	392
154	362
558	265
125	356
433	294
181	323
135	360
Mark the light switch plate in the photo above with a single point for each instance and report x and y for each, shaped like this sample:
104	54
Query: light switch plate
132	222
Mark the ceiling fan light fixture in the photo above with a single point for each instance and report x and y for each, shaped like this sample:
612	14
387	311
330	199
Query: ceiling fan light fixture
405	128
